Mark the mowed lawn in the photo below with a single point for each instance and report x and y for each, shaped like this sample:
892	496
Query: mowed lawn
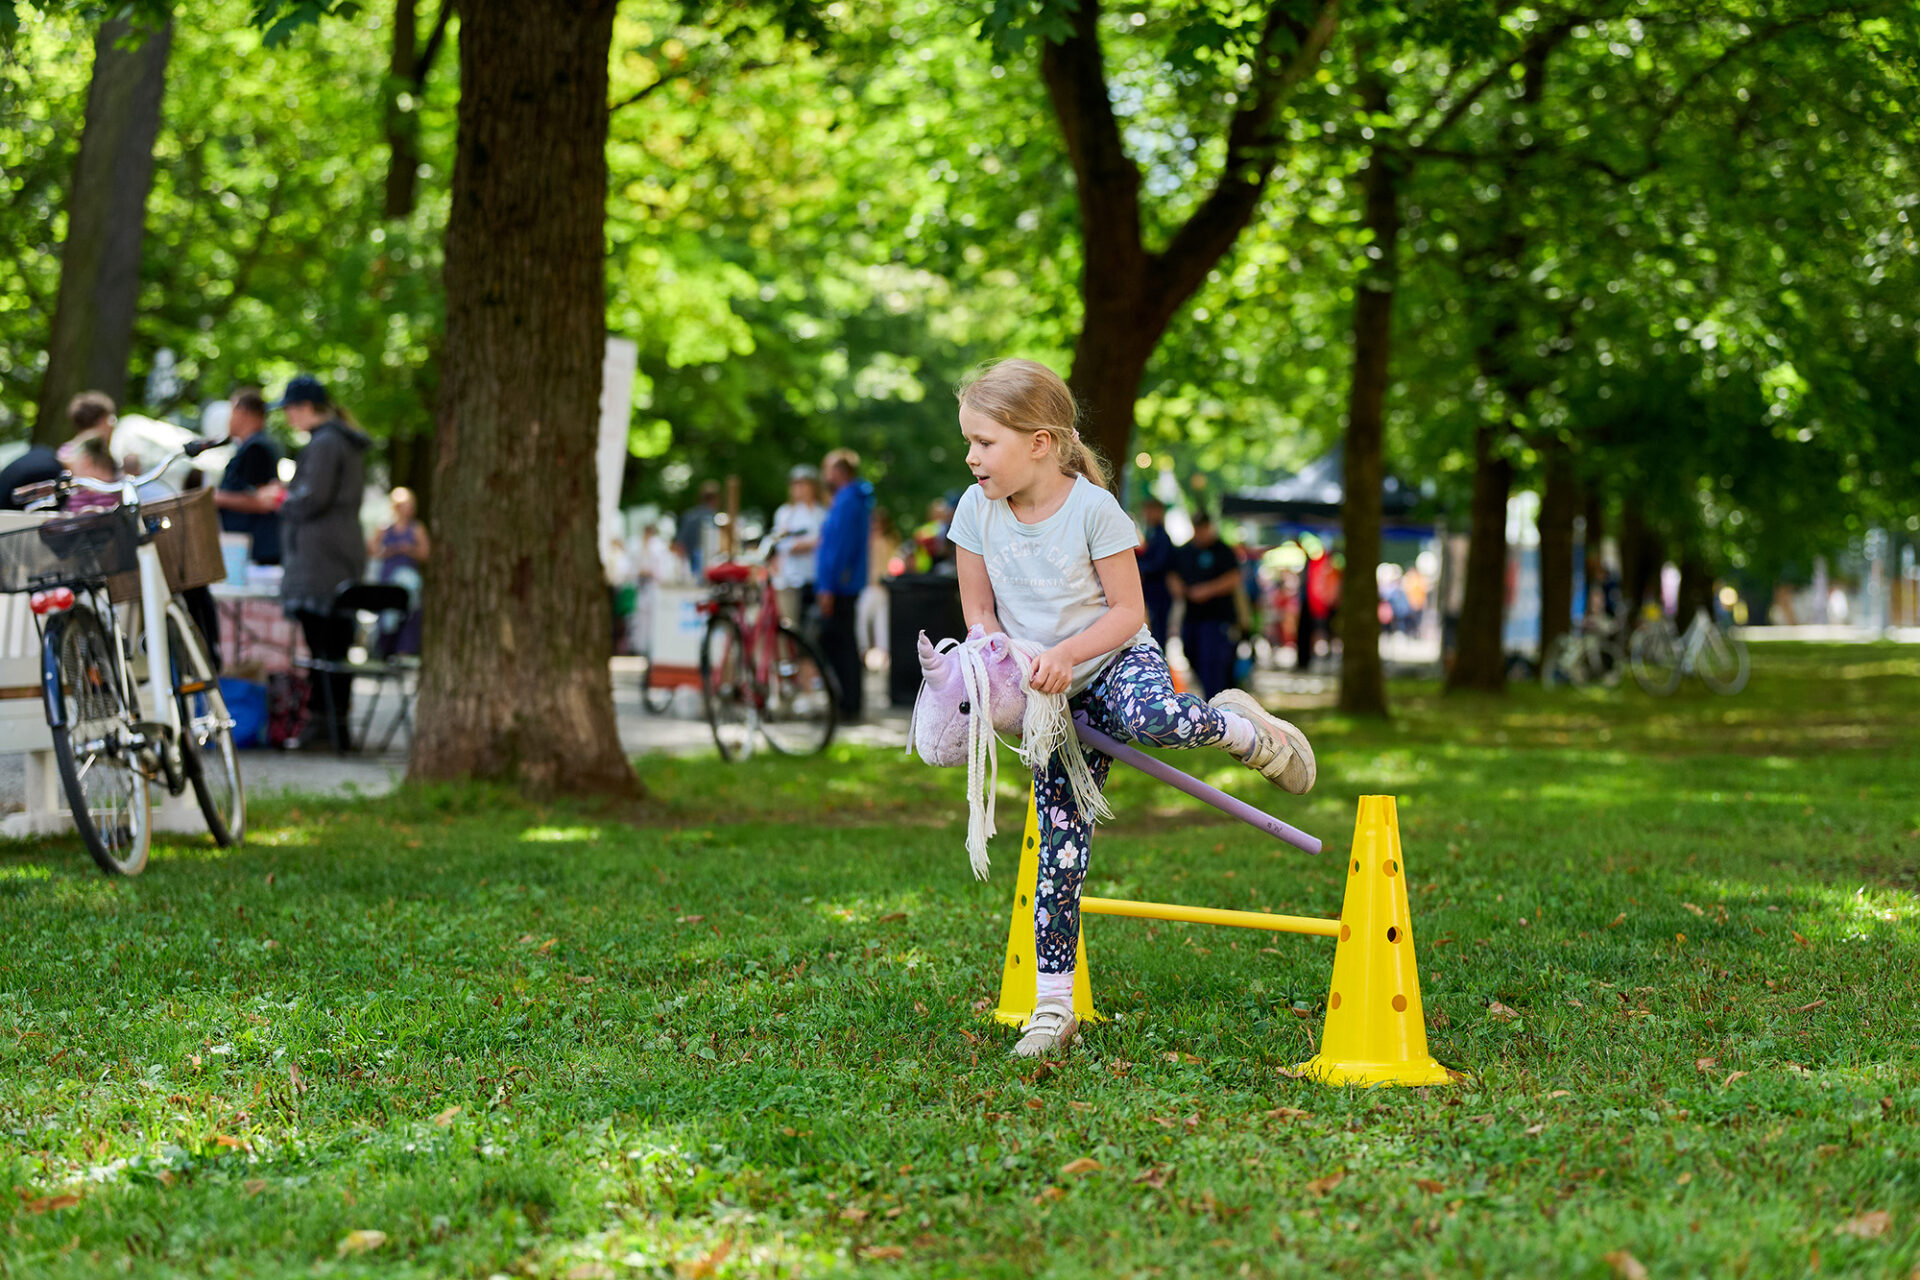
1676	943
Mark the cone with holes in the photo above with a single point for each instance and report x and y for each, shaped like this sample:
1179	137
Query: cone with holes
1017	985
1376	1031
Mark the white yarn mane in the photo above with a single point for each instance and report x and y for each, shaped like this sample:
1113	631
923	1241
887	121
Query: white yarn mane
1046	726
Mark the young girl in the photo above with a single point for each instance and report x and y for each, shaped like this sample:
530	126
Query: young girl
1047	555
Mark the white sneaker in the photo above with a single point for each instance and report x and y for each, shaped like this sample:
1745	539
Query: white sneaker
1052	1026
1280	752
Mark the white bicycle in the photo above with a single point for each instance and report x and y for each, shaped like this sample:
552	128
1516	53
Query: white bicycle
109	750
1661	656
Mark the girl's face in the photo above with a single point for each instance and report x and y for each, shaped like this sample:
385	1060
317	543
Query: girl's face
1004	461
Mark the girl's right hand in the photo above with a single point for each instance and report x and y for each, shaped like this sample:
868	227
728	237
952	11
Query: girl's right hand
1052	672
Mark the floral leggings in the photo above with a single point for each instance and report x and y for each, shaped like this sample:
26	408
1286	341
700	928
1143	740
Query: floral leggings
1133	699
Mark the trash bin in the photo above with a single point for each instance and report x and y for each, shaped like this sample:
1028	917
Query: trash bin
917	602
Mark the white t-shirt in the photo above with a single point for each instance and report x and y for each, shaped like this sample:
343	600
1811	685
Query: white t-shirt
796	568
1045	588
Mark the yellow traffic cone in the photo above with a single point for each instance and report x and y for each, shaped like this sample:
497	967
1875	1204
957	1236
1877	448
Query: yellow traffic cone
1376	1031
1017	985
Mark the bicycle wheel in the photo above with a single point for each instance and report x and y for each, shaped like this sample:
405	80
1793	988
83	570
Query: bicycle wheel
1723	664
798	716
1654	654
726	684
655	699
206	733
90	715
1606	661
1565	664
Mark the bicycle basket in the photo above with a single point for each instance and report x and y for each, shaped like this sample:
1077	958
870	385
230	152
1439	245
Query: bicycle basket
186	533
81	550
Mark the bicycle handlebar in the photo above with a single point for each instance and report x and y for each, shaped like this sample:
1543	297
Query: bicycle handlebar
43	489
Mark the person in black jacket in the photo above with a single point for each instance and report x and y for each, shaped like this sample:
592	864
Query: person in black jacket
250	492
322	546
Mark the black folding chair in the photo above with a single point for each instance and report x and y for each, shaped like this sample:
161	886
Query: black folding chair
369	598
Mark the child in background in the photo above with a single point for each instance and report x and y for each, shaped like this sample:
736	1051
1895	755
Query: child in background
1045	554
89	456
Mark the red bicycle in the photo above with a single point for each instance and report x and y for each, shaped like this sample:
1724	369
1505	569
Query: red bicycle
758	675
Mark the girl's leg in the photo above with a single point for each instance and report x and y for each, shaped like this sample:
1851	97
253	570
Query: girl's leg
1136	696
1066	837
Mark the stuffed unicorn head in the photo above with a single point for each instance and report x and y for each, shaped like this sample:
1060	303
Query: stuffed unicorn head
943	713
972	691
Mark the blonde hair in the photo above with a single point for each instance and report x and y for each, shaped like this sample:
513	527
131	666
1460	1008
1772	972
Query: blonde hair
1025	395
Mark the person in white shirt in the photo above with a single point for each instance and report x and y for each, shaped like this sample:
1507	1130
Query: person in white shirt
795	537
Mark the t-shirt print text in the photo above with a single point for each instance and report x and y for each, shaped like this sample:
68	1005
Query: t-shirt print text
1007	566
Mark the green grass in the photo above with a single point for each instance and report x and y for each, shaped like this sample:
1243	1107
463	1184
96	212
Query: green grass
746	1037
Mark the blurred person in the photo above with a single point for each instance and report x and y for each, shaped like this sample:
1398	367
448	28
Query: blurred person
795	538
842	575
654	565
250	490
90	456
323	548
1206	574
1156	562
400	549
89	412
697	535
932	553
871	618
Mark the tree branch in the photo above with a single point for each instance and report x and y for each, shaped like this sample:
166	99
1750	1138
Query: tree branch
679	73
1212	228
1074	71
423	65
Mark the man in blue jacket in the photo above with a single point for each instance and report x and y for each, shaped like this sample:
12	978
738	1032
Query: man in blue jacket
1156	561
840	574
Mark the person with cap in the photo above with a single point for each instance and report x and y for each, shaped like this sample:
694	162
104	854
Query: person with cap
1206	573
250	490
795	540
321	544
1155	554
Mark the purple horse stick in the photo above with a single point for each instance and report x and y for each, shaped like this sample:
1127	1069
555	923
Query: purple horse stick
1193	786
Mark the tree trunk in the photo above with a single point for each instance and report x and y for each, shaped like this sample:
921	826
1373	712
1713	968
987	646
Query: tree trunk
1479	661
106	221
1129	294
1559	501
403	151
515	683
1363	685
1641	558
1696	589
1593	542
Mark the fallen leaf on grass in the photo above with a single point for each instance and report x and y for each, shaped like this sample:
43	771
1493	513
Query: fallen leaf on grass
1797	938
702	1267
1156	1177
886	1252
1320	1186
254	1186
1683	1179
1535	1130
361	1242
1051	1193
293	1075
1502	1012
676	920
1615	924
1178	1058
1288	1113
445	1118
228	1141
1625	1265
1689	906
1085	1164
1429	1186
854	1215
1163	1121
1704	1064
1868	1226
1036	1104
1808	1008
45	1204
1561	1093
1731	1078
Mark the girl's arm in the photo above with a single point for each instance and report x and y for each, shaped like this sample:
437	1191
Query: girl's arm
1126	614
976	591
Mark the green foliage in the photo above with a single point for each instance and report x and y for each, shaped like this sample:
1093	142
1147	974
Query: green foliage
749	1029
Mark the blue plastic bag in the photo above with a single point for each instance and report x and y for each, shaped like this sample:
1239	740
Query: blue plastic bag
247	704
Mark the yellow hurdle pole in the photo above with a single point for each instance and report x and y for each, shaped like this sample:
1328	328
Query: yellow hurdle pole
1210	915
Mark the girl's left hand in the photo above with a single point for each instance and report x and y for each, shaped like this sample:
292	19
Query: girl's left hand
1052	672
